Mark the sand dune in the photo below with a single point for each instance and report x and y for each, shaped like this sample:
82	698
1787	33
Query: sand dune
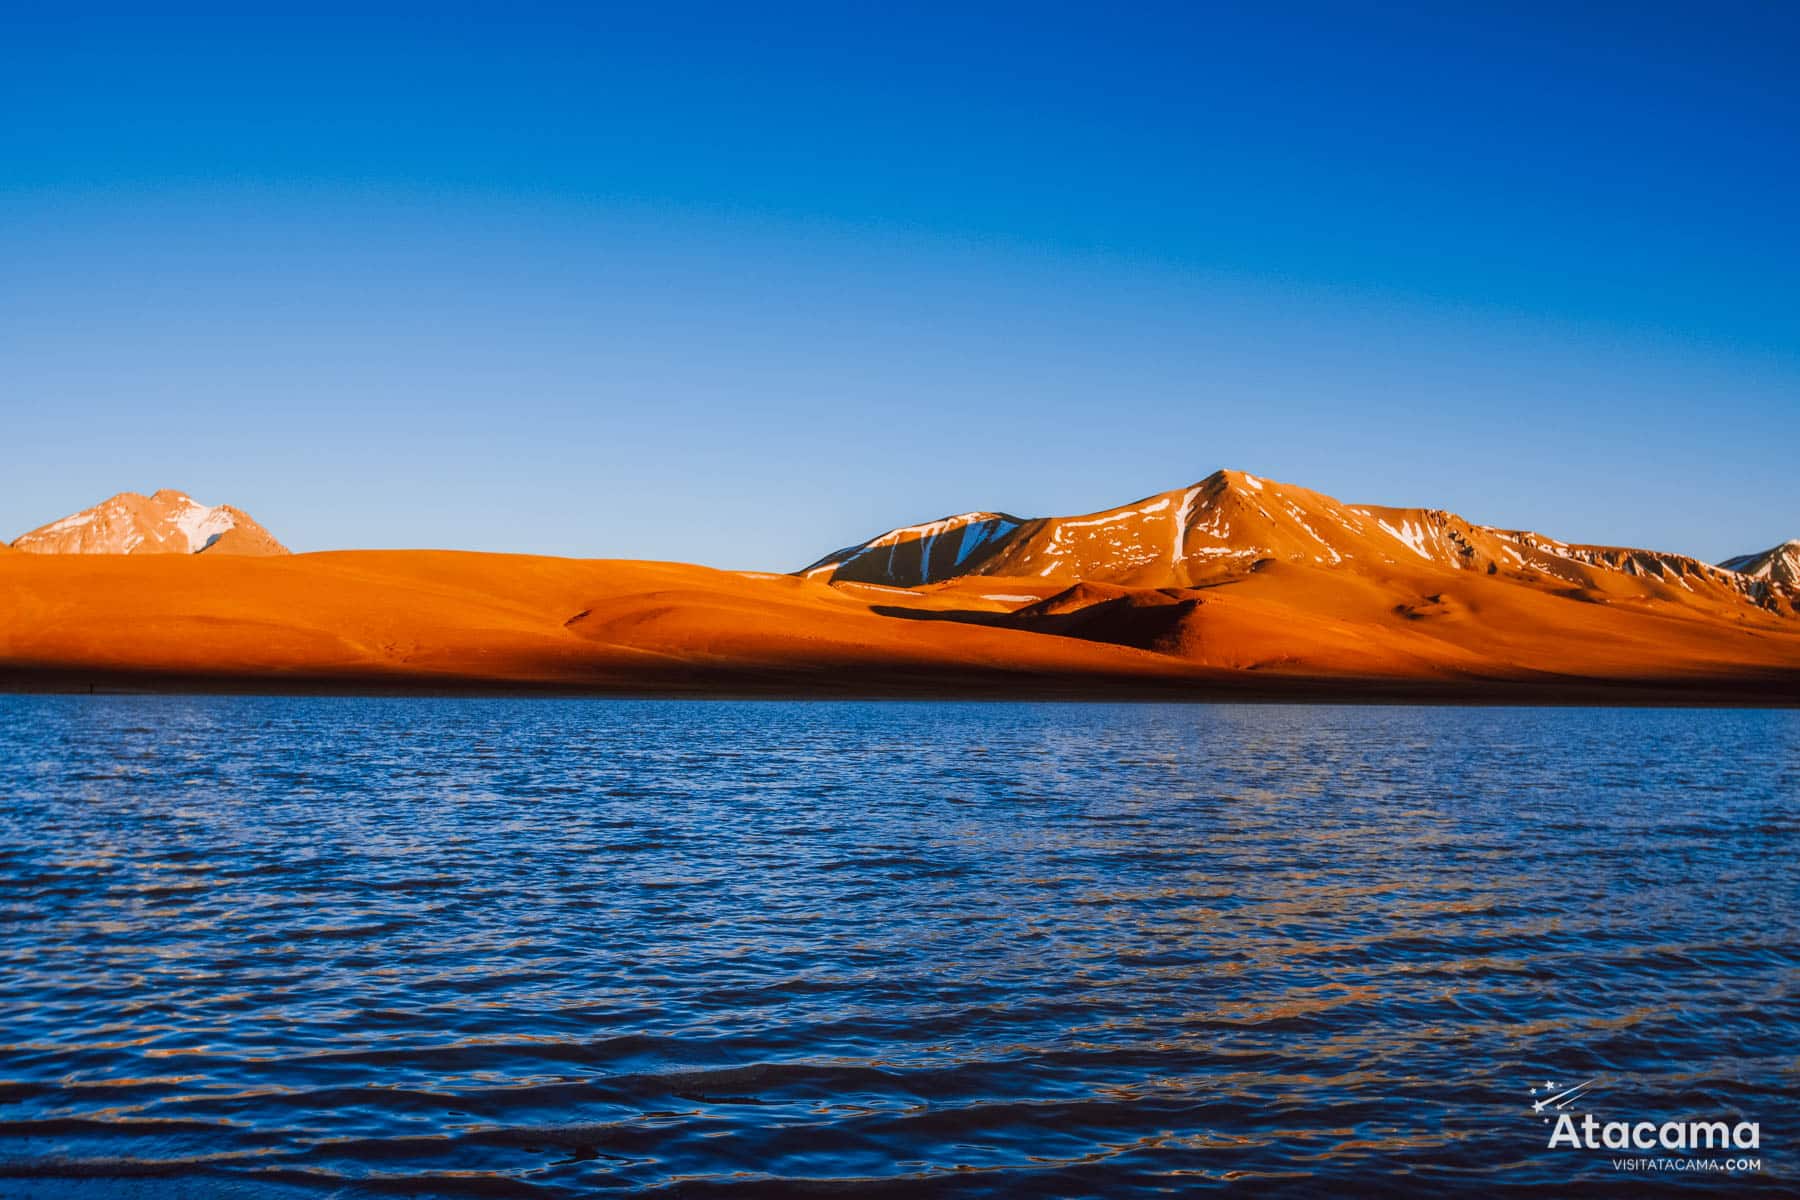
438	618
449	620
1289	617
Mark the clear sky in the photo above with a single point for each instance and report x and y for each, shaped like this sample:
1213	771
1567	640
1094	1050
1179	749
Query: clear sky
742	284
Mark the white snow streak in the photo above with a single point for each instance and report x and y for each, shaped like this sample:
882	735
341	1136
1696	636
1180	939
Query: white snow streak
1409	535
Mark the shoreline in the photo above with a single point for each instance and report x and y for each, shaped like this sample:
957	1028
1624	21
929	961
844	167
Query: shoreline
1713	694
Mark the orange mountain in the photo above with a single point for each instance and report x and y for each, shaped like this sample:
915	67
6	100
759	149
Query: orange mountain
1780	565
1237	586
1231	524
166	522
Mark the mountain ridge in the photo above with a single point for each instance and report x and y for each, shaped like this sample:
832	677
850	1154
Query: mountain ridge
1226	523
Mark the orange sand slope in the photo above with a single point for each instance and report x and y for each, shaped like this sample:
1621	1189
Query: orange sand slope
448	620
440	618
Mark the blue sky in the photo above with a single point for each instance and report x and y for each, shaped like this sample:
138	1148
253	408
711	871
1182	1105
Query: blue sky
742	284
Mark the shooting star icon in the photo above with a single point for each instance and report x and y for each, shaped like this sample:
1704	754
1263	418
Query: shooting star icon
1562	1099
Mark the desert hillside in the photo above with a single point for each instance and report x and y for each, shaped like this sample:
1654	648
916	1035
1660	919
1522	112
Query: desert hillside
1236	586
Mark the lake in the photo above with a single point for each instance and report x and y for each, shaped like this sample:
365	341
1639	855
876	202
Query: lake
553	948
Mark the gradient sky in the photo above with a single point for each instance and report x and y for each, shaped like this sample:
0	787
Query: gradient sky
741	284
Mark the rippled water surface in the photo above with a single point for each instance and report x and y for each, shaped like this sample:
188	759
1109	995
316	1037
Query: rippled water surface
358	947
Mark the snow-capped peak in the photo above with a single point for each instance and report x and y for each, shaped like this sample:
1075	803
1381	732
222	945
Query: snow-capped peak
1779	564
165	522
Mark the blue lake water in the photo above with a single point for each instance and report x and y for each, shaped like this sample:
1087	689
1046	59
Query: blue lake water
547	948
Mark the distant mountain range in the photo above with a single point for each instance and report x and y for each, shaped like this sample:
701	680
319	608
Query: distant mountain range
1231	523
1236	586
165	522
1226	524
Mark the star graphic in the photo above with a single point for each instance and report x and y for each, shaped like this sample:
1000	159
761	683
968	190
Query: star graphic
1548	1085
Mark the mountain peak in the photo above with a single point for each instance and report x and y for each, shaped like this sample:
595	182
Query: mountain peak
1777	564
168	521
1235	478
